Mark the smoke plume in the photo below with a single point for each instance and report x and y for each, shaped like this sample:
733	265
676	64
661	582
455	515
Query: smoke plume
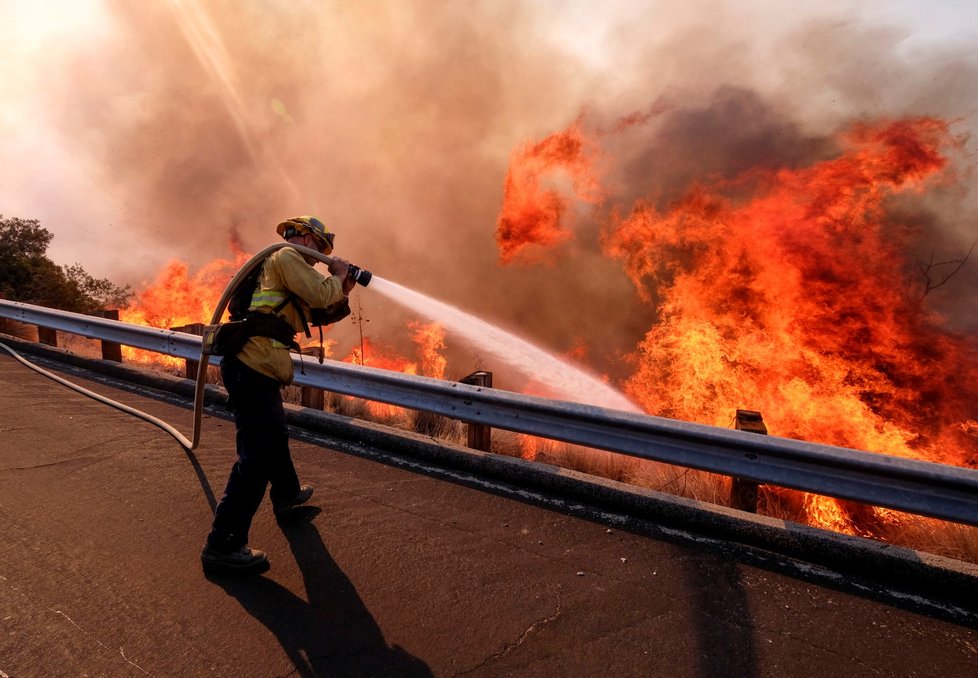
183	125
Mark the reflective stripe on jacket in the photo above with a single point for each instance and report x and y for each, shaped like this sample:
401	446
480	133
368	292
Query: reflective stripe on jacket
286	271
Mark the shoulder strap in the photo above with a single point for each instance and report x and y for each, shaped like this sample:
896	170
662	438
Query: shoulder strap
291	299
240	303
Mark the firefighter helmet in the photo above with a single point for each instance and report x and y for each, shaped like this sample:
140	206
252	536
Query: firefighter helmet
298	226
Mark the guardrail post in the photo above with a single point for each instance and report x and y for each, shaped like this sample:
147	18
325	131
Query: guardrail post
48	336
110	350
480	435
313	397
196	329
743	493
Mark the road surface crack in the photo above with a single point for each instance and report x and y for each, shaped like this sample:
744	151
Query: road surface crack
12	429
74	460
100	643
63	462
520	640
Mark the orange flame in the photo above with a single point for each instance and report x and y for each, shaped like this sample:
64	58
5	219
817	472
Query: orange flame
531	212
430	339
795	302
177	298
368	355
787	292
385	359
530	446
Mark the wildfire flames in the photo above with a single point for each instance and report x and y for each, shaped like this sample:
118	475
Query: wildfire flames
788	292
430	339
177	298
534	208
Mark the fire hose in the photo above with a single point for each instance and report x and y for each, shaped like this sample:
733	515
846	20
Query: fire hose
360	275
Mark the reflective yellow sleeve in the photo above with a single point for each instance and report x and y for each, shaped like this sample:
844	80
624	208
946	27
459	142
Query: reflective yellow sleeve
298	277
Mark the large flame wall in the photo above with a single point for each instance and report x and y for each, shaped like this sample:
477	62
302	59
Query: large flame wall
785	290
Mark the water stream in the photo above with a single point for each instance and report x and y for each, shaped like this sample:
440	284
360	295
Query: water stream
565	380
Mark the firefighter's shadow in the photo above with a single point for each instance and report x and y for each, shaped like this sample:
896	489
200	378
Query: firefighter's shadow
724	631
331	634
205	484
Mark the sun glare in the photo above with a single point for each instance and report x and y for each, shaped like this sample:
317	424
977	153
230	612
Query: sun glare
30	24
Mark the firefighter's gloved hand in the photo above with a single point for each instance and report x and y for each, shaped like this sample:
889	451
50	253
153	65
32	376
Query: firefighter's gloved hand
340	268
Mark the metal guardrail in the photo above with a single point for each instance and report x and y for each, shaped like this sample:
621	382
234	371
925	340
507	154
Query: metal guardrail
923	488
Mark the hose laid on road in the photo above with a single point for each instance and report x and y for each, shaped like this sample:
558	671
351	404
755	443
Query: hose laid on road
194	442
101	398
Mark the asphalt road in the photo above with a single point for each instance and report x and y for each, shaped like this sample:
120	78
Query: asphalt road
399	572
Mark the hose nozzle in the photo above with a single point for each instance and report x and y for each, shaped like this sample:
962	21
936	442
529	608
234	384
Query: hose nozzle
359	275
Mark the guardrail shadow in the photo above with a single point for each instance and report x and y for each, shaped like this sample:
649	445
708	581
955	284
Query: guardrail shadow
333	633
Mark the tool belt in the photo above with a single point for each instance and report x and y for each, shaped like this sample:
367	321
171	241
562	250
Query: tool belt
230	337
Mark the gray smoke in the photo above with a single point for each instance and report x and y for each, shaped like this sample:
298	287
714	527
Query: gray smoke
394	122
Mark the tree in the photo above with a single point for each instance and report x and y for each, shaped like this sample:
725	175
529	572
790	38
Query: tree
23	245
102	293
937	273
28	275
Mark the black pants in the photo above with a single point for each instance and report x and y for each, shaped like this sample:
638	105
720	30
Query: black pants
263	454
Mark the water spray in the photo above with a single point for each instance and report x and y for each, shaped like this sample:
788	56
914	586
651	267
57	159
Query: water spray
559	375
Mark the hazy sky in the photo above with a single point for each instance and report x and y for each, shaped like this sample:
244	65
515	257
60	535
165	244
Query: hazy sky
139	132
57	55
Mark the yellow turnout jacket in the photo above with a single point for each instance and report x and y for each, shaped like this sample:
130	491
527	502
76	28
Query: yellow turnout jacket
286	271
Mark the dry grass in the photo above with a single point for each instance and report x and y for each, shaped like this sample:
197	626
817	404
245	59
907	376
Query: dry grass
440	427
585	460
938	537
88	348
683	482
347	406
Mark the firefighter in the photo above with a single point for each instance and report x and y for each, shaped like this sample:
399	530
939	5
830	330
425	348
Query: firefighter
289	287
